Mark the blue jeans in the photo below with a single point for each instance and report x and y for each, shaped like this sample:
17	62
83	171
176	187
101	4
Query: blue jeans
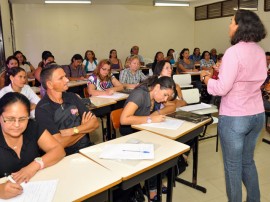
238	137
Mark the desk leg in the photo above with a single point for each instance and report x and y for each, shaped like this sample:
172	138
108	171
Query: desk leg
108	125
159	187
170	185
193	184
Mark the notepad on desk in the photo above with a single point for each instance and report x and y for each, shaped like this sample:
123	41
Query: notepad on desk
36	191
171	124
128	151
194	107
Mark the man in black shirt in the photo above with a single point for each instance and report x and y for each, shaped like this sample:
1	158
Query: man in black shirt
62	113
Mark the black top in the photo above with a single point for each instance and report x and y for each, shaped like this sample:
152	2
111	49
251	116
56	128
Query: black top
9	161
55	117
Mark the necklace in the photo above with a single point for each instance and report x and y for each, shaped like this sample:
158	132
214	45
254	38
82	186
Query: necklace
15	147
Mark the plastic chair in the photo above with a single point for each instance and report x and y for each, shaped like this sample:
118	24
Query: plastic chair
183	80
115	119
191	96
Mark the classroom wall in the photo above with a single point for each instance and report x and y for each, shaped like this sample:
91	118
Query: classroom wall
69	29
6	27
214	33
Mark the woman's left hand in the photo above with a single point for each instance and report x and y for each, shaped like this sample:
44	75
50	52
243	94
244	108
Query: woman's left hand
204	73
26	173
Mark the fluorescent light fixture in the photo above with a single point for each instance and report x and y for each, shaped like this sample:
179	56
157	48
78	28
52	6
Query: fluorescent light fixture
251	9
67	2
170	3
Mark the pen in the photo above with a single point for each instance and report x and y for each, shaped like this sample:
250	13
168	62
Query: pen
146	152
11	179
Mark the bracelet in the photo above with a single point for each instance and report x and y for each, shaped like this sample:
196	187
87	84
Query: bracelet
40	162
203	78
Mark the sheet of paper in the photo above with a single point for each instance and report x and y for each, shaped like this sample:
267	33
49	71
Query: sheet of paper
128	151
171	124
195	107
36	191
115	95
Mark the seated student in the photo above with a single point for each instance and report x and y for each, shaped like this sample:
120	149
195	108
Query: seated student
47	57
185	63
143	106
63	113
20	142
132	76
196	56
116	63
213	54
164	68
90	61
15	82
102	81
75	71
206	62
158	57
135	51
144	102
170	57
29	69
11	61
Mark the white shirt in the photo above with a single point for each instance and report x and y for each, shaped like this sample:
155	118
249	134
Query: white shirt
27	91
26	67
91	65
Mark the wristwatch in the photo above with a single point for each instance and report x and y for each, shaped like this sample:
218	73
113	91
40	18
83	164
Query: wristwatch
75	130
40	162
149	120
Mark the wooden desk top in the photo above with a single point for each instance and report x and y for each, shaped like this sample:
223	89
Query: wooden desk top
117	96
77	83
102	102
79	178
192	73
173	134
165	150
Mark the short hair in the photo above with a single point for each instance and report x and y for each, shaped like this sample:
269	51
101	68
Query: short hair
48	55
13	97
181	53
12	72
99	66
159	67
195	50
220	56
46	73
76	57
17	52
250	28
203	54
168	53
267	53
44	53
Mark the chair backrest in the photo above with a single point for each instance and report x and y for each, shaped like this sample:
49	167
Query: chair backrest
115	117
191	96
85	92
182	79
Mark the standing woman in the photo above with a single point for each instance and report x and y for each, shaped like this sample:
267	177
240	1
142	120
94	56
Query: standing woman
90	61
11	61
116	63
241	119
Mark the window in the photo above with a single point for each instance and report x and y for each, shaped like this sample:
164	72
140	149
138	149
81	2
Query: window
266	5
226	8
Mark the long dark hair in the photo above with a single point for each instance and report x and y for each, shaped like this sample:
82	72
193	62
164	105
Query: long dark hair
182	52
159	67
12	72
13	97
165	82
250	27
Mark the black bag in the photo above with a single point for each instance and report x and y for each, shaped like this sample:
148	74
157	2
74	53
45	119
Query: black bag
133	194
180	166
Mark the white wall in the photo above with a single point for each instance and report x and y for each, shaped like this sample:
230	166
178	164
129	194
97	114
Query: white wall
214	33
66	30
6	27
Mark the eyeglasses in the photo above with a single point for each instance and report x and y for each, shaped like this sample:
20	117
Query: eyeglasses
12	120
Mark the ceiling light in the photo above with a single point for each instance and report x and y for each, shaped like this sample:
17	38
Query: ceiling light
67	2
170	3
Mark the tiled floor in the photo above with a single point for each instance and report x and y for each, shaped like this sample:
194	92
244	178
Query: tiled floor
211	174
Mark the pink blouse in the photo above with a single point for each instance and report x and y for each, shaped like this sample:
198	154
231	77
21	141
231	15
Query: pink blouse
242	72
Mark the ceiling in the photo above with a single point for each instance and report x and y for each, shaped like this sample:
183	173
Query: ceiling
116	2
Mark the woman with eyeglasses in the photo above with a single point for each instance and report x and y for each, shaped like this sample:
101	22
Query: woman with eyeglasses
20	142
164	68
15	82
102	81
